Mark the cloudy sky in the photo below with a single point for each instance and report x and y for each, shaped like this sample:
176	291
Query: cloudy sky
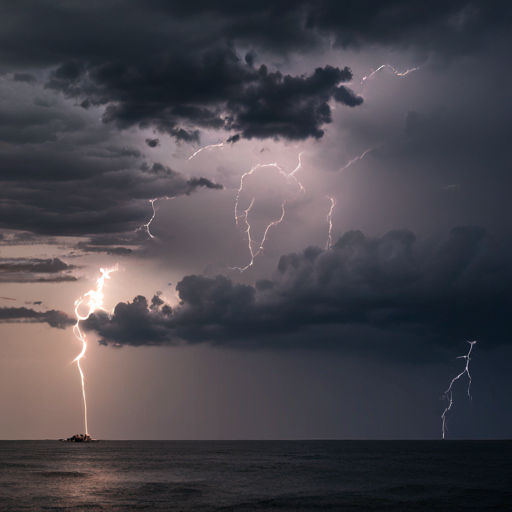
307	203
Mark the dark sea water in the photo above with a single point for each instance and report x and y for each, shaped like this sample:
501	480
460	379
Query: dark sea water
256	475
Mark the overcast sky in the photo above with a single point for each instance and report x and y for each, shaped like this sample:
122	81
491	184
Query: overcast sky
308	204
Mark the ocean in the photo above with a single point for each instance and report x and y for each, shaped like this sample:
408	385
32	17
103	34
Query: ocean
256	475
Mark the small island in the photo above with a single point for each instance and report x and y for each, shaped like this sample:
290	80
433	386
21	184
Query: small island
80	438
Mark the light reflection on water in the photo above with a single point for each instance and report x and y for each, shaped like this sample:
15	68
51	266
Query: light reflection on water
255	475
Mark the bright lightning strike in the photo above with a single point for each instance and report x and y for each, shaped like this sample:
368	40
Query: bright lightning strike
329	222
448	394
245	213
388	66
94	302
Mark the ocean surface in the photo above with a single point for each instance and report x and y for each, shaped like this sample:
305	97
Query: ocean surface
256	475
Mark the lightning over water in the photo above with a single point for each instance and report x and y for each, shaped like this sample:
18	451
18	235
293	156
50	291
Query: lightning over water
94	302
448	394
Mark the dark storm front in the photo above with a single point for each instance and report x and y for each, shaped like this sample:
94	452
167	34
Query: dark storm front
256	475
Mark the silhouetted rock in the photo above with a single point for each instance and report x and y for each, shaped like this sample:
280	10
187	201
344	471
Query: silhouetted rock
80	438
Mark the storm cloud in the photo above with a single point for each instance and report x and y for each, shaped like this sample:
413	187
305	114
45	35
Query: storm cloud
53	318
183	70
165	76
113	201
375	295
215	90
22	270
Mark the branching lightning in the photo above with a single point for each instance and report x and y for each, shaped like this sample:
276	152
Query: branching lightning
146	226
152	201
448	394
243	215
389	66
329	222
95	301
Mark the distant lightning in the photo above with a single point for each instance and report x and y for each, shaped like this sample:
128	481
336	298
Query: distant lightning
242	216
230	140
207	147
448	394
389	66
356	159
95	302
329	221
146	226
152	201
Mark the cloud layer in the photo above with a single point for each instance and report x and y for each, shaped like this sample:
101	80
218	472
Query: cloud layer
374	295
102	202
22	270
214	90
53	318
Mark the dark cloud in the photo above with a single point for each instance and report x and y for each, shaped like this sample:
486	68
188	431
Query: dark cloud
281	25
24	77
347	97
35	270
118	251
53	318
214	90
204	182
179	72
38	265
25	122
392	295
233	139
294	108
114	201
152	143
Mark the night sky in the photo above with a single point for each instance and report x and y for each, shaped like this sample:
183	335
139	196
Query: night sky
315	273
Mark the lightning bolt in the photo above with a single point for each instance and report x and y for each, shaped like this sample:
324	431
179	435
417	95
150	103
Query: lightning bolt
389	66
146	226
230	140
329	222
152	201
356	159
448	394
94	302
245	213
207	147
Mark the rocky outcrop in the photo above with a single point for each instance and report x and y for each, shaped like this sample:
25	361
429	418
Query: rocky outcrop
80	438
